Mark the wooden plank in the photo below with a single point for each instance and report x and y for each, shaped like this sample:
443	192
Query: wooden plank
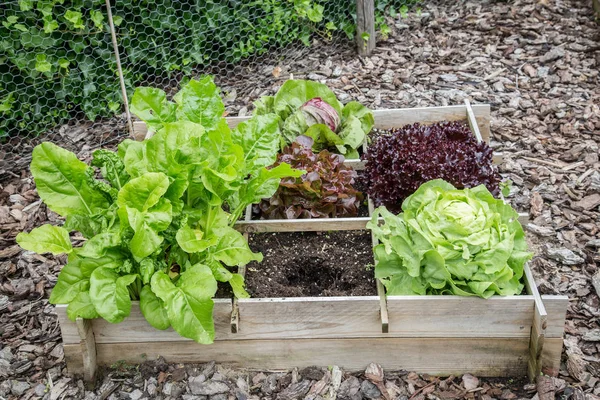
394	118
385	321
538	327
449	356
88	350
551	356
315	225
309	317
304	225
456	316
235	312
397	117
365	27
73	358
472	121
556	309
135	328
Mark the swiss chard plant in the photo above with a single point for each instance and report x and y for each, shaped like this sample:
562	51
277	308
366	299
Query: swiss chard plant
310	108
154	212
324	191
450	241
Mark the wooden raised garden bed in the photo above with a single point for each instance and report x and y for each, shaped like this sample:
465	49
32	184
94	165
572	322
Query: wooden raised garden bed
441	335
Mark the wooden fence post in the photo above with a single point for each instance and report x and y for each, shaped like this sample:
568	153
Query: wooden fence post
365	26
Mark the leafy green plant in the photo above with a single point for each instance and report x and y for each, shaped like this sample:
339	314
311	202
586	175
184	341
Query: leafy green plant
450	241
324	191
155	224
310	108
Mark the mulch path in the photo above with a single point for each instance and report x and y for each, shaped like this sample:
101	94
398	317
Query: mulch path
537	64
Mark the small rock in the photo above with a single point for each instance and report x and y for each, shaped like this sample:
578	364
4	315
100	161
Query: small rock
6	354
18	387
596	282
541	230
40	389
207	388
592	336
221	396
350	389
5	369
449	77
312	373
269	384
295	391
554	54
587	203
470	382
151	389
564	256
543	72
136	394
316	77
369	390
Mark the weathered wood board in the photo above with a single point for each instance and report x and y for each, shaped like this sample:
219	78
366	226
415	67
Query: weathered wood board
395	118
425	334
452	356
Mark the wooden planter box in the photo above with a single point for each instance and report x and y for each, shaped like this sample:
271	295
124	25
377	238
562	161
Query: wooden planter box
439	335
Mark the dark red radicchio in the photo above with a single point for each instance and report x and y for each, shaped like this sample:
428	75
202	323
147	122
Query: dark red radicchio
399	162
325	190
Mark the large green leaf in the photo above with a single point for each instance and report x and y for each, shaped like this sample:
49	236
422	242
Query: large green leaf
71	281
152	107
97	246
109	294
81	306
62	183
259	137
46	239
153	309
189	305
233	249
199	101
144	191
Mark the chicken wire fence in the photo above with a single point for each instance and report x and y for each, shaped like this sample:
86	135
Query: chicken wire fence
59	79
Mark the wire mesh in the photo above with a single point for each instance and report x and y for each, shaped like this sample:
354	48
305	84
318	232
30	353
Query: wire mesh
58	76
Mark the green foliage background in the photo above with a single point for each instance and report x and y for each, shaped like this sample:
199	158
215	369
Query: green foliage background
56	59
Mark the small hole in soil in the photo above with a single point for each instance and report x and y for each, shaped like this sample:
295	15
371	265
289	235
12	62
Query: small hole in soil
312	264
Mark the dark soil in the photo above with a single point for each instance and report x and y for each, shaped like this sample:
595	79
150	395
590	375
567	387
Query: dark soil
312	264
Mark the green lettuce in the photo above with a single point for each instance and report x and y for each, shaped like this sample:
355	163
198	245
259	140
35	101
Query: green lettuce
297	103
450	241
159	222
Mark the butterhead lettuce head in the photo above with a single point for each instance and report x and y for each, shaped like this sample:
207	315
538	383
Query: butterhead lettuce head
450	241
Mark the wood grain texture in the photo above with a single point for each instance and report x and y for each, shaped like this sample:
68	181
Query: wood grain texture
551	356
135	328
451	356
314	225
365	24
556	309
88	350
397	117
455	316
309	317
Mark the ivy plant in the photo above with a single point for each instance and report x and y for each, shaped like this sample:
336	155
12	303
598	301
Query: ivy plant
158	215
